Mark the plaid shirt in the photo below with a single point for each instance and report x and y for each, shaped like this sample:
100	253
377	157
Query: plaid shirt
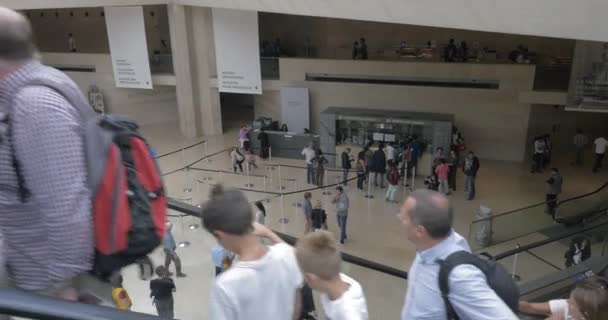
49	238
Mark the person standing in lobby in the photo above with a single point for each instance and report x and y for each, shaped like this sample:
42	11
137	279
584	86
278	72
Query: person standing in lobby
554	188
539	155
341	201
442	170
361	168
471	165
427	218
307	210
600	150
580	142
264	144
453	164
309	154
379	165
346	166
319	162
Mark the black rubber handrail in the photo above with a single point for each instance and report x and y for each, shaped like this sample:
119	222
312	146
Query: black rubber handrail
548	240
540	204
178	150
194	211
24	304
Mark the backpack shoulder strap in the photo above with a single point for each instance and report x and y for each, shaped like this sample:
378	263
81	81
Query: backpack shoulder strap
73	97
445	268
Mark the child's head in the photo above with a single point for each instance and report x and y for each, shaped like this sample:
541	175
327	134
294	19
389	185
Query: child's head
318	204
319	258
161	272
227	216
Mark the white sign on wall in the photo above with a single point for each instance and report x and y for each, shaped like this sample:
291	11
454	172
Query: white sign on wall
128	47
237	52
295	109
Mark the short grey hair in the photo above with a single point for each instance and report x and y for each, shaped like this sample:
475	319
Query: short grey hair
16	37
432	211
228	211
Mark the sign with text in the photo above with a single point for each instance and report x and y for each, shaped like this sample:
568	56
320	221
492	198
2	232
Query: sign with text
237	51
295	109
128	47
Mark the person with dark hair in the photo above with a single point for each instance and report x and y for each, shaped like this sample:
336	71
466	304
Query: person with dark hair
309	154
356	50
463	52
393	182
342	204
450	52
427	218
600	150
264	283
307	209
379	165
470	168
580	141
363	49
360	167
346	165
369	159
260	214
161	291
442	171
319	162
169	247
71	43
237	159
554	188
539	154
319	217
264	144
588	301
453	165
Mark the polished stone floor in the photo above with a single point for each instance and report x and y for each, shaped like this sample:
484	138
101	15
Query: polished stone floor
374	232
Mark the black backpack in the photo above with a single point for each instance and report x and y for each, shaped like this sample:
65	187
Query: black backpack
498	279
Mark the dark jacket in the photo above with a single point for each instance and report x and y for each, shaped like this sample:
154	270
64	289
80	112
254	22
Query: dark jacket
379	162
472	170
346	161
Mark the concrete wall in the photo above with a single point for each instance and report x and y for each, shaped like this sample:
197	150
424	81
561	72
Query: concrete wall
147	107
51	31
494	123
333	38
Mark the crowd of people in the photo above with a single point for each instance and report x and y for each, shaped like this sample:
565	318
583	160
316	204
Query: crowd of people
48	244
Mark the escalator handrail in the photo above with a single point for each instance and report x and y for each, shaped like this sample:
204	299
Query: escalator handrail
195	211
25	304
540	204
548	240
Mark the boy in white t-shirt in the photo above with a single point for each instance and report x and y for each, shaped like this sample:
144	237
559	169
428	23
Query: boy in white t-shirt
341	296
265	282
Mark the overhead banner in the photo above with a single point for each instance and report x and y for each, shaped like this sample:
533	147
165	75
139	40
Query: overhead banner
237	52
128	47
295	109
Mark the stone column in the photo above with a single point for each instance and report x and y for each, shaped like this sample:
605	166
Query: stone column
206	98
182	69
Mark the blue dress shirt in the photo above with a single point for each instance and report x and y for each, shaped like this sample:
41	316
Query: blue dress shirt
470	294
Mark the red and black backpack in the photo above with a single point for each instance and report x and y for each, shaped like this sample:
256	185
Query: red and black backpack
128	200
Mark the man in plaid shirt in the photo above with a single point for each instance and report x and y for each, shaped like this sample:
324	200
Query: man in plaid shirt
47	234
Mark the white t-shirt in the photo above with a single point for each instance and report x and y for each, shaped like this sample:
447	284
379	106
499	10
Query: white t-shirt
260	289
309	154
600	145
560	307
539	146
350	306
390	153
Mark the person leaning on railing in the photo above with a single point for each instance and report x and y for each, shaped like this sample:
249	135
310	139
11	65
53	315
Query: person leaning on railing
588	301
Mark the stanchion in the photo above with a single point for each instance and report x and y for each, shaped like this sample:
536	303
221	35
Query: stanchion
207	158
183	243
270	158
198	190
369	194
413	186
220	176
265	188
283	220
186	188
295	204
514	273
281	187
248	184
326	192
